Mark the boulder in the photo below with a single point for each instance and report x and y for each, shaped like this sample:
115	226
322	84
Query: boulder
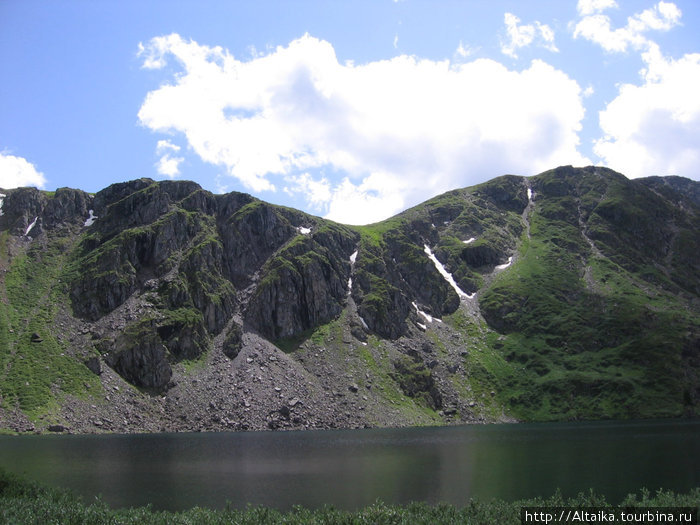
140	357
93	364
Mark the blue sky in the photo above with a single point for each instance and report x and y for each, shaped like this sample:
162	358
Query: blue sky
347	110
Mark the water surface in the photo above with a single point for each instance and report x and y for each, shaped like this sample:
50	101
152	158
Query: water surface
354	468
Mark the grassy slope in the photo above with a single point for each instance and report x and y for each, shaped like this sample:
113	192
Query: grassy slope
572	334
612	350
34	375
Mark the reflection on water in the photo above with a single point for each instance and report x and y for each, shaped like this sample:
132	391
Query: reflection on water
353	468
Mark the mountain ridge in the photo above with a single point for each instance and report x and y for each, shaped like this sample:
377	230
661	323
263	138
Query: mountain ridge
160	306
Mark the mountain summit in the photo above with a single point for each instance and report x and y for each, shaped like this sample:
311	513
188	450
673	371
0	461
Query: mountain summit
573	294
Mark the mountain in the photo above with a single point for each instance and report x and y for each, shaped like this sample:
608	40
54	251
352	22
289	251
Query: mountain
573	294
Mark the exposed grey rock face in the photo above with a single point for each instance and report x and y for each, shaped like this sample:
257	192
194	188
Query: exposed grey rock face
250	235
101	294
233	343
479	255
140	357
23	205
304	286
677	188
66	206
191	254
508	193
492	296
184	338
93	363
20	207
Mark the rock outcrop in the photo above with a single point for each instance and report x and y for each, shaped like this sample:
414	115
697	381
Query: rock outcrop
570	294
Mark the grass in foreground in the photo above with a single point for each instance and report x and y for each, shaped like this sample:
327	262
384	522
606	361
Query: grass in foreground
27	502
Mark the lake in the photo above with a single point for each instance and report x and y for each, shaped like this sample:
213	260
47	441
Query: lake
353	468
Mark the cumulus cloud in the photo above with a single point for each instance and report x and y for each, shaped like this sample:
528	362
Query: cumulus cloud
16	172
523	35
597	27
368	200
391	132
653	128
167	164
318	192
589	7
650	128
164	146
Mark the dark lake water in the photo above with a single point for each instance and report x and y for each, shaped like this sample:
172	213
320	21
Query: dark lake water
353	468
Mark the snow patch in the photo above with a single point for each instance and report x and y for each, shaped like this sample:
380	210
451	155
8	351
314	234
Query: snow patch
422	326
29	228
353	258
506	265
470	240
429	318
303	230
426	316
91	219
447	275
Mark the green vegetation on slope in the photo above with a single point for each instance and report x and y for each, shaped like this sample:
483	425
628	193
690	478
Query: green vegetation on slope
595	317
36	368
591	338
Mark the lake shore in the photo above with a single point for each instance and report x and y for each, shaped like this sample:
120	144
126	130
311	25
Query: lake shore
23	501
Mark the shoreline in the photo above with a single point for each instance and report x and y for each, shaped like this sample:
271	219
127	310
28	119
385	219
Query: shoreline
69	432
24	501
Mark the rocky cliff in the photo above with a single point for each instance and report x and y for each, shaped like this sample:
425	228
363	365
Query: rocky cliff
160	306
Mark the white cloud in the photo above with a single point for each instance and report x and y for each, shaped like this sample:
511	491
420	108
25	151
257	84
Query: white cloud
463	51
167	164
165	146
374	199
520	36
16	172
589	7
653	128
149	57
597	28
317	191
392	132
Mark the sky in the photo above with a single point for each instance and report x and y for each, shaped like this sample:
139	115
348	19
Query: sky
353	111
